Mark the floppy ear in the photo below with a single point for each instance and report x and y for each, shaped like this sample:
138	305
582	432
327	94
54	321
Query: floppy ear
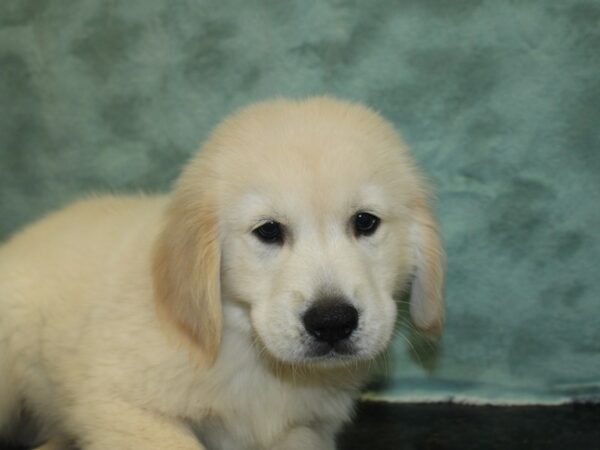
186	273
426	297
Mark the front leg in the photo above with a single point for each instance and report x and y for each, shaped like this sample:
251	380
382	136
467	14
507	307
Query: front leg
117	425
302	438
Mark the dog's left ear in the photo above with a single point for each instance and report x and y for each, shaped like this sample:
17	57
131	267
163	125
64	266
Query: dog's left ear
186	272
426	297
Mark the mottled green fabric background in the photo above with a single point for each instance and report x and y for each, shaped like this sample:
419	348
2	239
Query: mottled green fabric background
500	101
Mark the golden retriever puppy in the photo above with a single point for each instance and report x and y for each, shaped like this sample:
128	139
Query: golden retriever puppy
239	312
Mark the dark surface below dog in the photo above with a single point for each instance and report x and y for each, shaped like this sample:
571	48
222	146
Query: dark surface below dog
442	426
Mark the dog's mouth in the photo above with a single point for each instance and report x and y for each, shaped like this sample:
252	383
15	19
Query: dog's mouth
332	353
326	350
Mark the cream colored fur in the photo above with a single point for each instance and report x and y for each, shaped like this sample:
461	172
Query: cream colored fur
140	322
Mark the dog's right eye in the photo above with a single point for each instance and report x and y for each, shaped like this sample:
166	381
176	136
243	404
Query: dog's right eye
365	224
270	233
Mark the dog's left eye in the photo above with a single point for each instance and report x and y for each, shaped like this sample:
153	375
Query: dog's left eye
270	232
365	224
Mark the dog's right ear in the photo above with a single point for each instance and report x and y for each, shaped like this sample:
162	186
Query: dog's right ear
186	271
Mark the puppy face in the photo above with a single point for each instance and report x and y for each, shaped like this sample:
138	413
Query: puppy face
320	220
315	266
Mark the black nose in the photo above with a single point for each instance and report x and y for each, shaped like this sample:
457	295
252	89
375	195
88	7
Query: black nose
330	320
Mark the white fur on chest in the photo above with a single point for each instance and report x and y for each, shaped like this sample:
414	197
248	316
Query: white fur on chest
253	404
253	408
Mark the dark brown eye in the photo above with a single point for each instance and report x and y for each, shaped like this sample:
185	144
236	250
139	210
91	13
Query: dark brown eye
270	233
365	224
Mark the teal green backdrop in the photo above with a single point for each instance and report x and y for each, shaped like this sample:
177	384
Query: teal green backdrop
499	100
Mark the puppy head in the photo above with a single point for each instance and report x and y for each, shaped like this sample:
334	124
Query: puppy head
313	215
